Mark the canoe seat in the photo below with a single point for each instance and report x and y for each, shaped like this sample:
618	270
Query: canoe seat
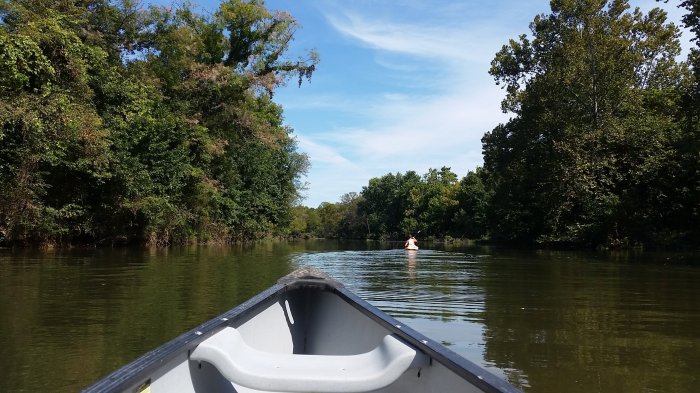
246	366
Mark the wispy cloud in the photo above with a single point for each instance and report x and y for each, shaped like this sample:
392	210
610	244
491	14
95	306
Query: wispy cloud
446	41
437	102
325	154
401	38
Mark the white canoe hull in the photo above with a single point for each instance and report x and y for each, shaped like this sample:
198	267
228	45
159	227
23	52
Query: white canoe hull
302	335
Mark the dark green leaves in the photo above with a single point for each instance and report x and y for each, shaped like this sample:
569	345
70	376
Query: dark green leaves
124	124
594	93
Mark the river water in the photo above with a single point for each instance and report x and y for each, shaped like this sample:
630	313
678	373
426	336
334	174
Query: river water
546	321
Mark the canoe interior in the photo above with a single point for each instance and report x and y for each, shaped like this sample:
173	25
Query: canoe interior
302	318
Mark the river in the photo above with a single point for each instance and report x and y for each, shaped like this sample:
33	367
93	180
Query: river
547	321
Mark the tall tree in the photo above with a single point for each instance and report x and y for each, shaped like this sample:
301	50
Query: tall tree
593	94
473	200
438	201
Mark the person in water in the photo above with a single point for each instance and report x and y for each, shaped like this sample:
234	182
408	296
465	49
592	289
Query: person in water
411	243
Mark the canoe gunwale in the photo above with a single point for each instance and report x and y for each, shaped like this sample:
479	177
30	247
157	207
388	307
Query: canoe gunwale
138	371
473	373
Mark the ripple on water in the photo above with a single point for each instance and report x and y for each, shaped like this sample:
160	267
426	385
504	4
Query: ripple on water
435	292
426	284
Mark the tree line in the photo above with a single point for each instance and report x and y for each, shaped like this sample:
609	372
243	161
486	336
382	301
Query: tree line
390	207
155	125
602	147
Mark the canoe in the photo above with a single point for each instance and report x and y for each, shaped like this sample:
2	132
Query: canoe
411	247
306	333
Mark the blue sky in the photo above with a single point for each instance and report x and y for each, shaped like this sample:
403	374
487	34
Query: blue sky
402	84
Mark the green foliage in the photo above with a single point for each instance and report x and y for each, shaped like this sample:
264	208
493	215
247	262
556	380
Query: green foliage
53	151
390	204
124	124
306	222
594	94
395	205
332	220
473	200
157	125
22	64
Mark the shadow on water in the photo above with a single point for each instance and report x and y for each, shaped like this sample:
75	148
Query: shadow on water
581	324
548	321
69	317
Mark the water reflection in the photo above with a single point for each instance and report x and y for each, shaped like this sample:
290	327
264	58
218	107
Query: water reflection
69	317
411	254
426	283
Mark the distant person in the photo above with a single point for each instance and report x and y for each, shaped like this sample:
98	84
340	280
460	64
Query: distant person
411	243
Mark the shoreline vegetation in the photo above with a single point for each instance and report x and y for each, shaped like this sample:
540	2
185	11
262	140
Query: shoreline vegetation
128	125
123	124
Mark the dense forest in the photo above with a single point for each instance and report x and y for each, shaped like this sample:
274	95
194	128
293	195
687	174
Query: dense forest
602	147
124	124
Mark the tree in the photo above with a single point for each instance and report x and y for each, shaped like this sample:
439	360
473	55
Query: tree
330	216
306	222
353	225
396	205
438	201
593	94
390	204
473	200
53	152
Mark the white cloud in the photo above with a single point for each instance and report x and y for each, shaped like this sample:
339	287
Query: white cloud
402	38
454	42
324	154
442	130
402	130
